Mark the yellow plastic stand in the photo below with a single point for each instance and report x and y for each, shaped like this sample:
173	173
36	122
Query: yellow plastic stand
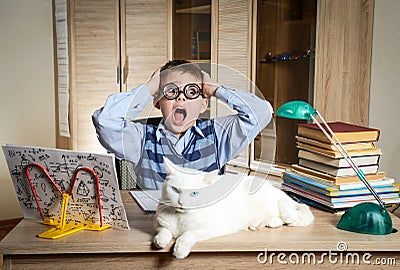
62	228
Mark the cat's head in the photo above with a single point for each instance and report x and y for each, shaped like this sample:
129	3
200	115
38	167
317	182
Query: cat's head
185	188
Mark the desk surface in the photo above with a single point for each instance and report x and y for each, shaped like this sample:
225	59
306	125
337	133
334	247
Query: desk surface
321	236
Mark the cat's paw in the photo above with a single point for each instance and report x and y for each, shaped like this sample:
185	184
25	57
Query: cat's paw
296	215
274	222
301	216
257	225
181	249
160	242
162	239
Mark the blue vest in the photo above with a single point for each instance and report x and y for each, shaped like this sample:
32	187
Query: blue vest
201	153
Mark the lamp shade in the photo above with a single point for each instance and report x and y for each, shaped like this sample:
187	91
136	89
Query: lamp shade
297	109
367	218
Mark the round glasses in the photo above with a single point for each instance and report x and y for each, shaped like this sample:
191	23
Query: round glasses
191	91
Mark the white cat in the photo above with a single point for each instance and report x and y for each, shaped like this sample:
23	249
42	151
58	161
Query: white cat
196	206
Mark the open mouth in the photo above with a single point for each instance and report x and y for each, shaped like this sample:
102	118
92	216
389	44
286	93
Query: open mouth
179	115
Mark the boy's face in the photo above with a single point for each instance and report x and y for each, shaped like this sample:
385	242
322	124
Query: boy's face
181	113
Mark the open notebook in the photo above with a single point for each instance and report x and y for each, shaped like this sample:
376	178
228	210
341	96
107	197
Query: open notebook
147	199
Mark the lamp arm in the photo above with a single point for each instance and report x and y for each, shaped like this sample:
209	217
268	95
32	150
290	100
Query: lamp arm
338	145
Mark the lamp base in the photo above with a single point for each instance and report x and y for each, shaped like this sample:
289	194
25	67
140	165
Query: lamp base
366	218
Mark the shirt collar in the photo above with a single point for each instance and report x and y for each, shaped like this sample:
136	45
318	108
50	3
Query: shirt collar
162	130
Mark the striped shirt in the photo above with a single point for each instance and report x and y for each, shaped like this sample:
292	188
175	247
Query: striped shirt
135	141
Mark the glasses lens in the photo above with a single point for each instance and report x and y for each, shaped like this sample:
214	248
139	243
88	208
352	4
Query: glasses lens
192	91
170	91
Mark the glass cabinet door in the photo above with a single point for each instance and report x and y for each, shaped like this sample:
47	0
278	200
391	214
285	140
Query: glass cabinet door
191	30
191	34
284	67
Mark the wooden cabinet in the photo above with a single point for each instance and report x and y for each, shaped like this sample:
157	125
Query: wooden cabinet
117	44
114	46
335	82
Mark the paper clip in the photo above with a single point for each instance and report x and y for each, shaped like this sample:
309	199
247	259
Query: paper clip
62	228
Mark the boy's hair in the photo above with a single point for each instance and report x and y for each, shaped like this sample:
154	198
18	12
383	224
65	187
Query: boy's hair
183	66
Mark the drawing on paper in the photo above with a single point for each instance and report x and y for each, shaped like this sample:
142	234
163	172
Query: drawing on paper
61	165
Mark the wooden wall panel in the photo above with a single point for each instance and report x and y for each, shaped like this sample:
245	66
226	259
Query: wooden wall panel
343	59
94	55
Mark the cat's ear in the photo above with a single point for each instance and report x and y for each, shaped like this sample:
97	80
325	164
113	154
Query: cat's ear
169	166
210	178
215	173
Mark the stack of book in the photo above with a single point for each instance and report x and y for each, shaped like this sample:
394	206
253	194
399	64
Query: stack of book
324	179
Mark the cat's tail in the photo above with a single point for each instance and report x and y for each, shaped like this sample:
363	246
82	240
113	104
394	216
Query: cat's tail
295	214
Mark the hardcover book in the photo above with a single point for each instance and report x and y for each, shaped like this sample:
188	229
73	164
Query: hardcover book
322	193
334	171
388	198
338	162
336	154
382	186
345	132
331	186
337	179
329	146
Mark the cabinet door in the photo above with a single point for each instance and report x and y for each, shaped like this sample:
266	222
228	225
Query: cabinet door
233	25
115	45
284	65
144	42
94	51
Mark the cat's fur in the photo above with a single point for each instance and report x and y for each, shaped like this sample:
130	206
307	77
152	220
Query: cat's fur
239	208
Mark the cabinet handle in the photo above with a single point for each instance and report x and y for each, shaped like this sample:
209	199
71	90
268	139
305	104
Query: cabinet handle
117	74
123	75
125	71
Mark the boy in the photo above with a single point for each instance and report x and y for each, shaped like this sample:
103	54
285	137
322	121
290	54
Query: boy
181	91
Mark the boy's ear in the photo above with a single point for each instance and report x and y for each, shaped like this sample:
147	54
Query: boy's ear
204	105
156	102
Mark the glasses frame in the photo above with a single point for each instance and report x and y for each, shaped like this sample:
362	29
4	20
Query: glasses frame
184	91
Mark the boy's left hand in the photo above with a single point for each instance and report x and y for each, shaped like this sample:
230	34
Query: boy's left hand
209	87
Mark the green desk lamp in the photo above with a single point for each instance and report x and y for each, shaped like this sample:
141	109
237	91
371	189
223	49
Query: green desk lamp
367	217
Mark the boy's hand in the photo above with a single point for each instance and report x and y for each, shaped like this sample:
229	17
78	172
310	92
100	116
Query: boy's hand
209	87
154	83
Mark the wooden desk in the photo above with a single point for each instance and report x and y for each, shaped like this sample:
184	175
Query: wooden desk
114	249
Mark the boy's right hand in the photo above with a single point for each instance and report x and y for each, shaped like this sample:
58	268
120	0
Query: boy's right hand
153	84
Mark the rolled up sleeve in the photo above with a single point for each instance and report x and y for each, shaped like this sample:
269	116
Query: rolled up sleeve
114	126
236	132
